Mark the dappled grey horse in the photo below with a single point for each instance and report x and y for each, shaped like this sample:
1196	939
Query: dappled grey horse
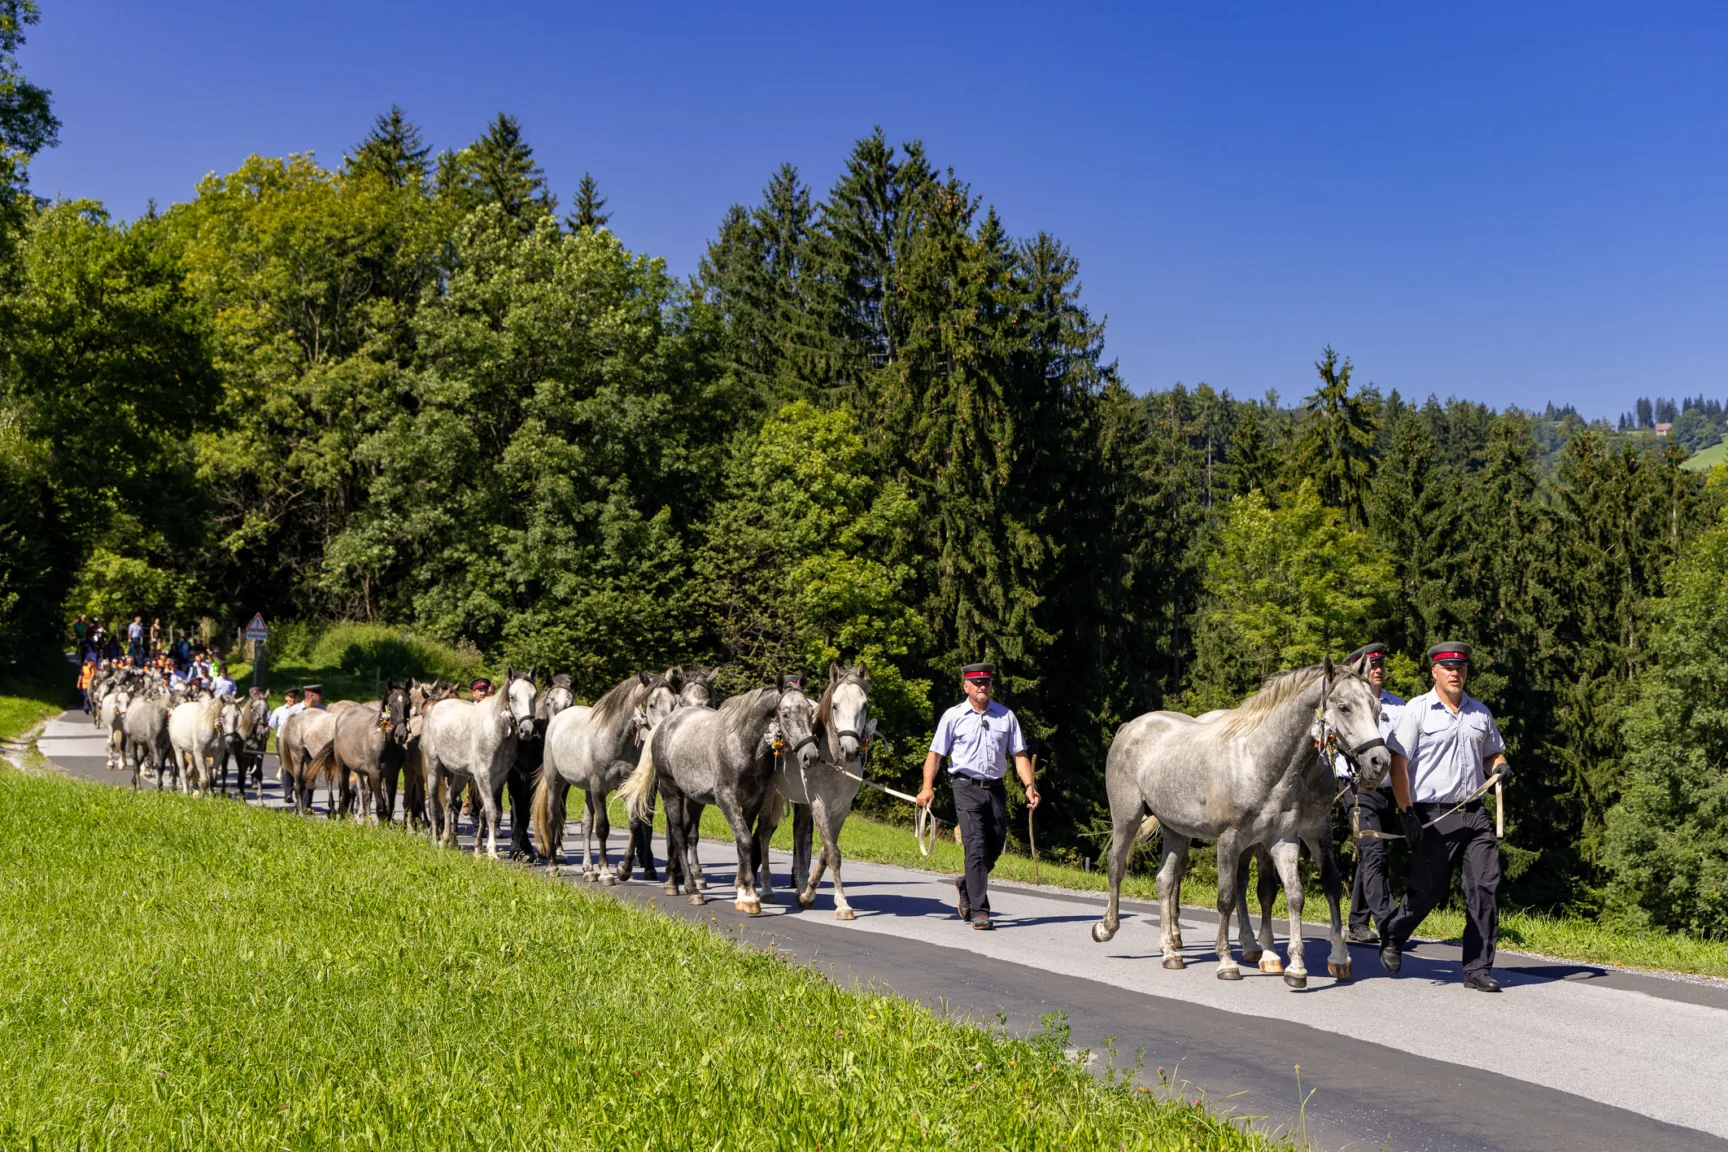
594	748
821	793
1246	777
466	742
721	757
144	729
696	689
369	745
244	744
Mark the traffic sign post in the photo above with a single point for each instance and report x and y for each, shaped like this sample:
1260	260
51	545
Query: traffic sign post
258	634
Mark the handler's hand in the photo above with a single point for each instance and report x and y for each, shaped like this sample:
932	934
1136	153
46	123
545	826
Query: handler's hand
1505	771
1031	798
926	796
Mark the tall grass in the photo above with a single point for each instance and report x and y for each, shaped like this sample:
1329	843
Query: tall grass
185	973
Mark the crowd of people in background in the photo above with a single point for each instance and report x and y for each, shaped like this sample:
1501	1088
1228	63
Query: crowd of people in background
168	653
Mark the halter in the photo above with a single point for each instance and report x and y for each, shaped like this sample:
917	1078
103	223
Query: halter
1326	741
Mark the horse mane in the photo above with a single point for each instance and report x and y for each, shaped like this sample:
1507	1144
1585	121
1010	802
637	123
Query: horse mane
825	706
622	698
734	711
1279	689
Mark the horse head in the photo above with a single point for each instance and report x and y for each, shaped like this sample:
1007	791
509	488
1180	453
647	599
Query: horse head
697	688
845	708
657	701
558	696
1347	723
518	706
795	717
393	714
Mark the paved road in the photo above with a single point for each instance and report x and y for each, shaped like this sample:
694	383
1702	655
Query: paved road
1569	1057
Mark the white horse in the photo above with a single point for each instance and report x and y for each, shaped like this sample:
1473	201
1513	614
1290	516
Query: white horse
594	748
115	700
195	732
464	741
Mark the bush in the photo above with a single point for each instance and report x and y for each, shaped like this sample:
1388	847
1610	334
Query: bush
397	654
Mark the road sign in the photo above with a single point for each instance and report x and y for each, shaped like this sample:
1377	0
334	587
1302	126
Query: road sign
256	630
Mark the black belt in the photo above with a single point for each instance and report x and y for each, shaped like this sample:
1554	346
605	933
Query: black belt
974	779
1426	806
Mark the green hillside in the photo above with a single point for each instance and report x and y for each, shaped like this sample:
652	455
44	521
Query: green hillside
1709	458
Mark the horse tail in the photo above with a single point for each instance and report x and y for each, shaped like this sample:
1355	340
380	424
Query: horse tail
637	792
776	807
1147	827
548	810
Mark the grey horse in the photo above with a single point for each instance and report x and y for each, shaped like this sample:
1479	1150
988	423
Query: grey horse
696	689
367	745
415	810
722	757
821	794
1247	777
144	730
465	743
303	749
594	748
245	746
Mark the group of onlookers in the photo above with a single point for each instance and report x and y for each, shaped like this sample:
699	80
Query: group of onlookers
176	661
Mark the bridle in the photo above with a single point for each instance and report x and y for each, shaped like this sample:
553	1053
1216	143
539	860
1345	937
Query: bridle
1327	745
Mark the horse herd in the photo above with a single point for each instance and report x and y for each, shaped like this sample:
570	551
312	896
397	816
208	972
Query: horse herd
1260	779
651	734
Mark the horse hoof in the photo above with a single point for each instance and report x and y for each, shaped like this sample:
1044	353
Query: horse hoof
590	877
1271	965
1252	957
608	881
1102	932
845	914
1230	973
806	901
695	901
749	907
1338	971
669	889
1296	979
770	898
1175	963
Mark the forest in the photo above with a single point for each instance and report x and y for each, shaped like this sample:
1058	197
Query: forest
880	422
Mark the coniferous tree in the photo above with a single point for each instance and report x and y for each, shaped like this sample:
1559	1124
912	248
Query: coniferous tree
589	210
1335	440
393	151
499	169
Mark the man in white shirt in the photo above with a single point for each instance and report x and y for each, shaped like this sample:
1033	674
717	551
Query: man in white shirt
1370	810
221	685
1442	746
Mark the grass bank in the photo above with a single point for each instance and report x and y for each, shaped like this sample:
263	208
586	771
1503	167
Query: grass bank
186	973
30	696
1569	938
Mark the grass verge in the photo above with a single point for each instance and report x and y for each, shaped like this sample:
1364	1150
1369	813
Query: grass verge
29	697
1568	938
196	974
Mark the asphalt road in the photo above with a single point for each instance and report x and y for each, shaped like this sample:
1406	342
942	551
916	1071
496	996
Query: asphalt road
1570	1056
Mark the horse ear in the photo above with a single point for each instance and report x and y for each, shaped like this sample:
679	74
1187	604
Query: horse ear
1326	670
863	673
675	677
833	671
642	678
780	681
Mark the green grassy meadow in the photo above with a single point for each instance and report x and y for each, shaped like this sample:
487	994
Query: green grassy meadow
1708	458
192	974
31	695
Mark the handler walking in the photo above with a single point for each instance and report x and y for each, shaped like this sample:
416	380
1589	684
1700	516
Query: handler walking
978	736
1439	748
1371	811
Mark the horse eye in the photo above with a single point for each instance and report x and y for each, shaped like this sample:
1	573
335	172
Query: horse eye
1343	707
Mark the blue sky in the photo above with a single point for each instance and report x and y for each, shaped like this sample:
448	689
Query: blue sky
1510	203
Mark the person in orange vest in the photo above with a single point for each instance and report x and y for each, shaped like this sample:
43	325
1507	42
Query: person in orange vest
85	674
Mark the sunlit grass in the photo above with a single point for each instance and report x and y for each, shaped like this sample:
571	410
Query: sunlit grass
190	973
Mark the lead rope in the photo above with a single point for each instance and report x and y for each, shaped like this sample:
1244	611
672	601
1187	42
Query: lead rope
1492	782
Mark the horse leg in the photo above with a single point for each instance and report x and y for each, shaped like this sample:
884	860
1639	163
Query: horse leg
1124	831
488	810
803	882
452	787
744	839
589	803
692	844
1267	884
1175	850
603	824
1287	854
1332	883
1229	862
521	785
830	831
767	821
677	832
1251	952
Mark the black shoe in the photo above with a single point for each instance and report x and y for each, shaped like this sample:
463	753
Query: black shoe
1482	981
1391	956
965	900
1362	934
982	923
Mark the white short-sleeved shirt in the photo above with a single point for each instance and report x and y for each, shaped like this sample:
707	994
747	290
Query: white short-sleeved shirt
1446	750
222	686
280	716
976	743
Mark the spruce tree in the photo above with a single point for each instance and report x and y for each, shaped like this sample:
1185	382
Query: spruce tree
393	151
1335	441
588	210
499	169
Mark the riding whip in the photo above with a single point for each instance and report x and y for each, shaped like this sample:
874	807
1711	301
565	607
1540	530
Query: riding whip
1030	838
1499	808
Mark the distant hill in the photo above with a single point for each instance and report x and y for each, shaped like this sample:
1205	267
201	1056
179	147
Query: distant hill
1709	458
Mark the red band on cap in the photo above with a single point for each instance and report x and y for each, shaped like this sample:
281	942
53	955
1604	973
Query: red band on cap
978	676
1438	656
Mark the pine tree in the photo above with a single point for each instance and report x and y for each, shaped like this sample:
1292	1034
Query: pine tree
1412	514
1335	440
499	169
588	211
393	151
1250	463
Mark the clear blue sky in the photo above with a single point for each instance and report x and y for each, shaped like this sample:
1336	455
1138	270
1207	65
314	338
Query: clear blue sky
1511	203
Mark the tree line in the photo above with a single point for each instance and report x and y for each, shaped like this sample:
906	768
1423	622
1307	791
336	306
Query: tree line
876	424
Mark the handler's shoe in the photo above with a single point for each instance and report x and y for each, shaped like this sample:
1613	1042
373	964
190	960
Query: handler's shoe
1362	934
982	922
1482	981
1391	956
965	908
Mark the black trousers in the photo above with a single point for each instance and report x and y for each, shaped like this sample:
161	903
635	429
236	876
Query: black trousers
982	810
1371	890
1467	838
